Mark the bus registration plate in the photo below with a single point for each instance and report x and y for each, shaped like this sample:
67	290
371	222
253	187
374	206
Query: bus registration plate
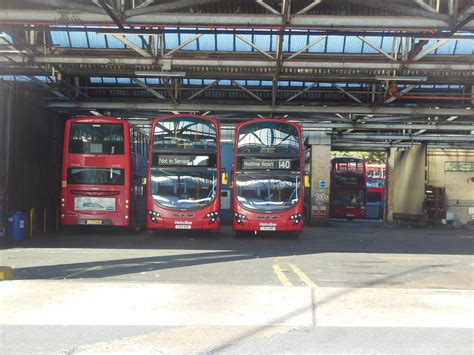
182	226
267	228
93	221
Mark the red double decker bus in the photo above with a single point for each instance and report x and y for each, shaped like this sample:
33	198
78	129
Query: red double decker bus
184	173
348	188
104	166
375	191
268	188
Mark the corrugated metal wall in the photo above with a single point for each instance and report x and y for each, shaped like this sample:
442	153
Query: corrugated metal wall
30	155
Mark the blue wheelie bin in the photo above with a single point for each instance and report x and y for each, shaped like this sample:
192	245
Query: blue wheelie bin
16	226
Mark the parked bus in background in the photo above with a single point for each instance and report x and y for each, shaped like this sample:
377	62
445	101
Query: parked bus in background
103	173
375	190
184	169
268	177
348	188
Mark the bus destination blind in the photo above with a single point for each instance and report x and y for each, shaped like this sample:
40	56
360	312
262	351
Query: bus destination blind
181	160
266	164
349	180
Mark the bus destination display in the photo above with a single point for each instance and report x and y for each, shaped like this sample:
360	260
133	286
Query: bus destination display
349	180
266	164
181	160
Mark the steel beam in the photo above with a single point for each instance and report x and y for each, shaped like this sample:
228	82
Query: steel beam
301	92
378	49
247	90
258	108
432	138
309	7
309	45
401	93
203	89
391	127
356	99
251	44
56	16
263	4
132	45
363	146
430	49
245	63
149	89
182	45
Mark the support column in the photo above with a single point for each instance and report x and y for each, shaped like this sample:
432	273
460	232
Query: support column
389	183
320	142
406	180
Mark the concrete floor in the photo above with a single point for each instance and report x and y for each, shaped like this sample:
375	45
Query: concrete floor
111	292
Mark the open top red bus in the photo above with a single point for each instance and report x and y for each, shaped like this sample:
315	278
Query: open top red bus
104	164
375	190
348	188
184	173
268	188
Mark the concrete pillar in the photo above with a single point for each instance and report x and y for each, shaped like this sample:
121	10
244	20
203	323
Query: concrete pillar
406	180
320	142
389	183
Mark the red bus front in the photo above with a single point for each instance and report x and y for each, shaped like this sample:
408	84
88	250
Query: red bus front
268	188
95	172
184	173
375	191
348	188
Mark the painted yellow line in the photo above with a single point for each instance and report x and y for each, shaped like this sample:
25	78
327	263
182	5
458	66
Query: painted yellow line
82	271
6	273
302	276
281	276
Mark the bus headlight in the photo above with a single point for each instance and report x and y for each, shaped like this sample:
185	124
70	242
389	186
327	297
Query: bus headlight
296	218
239	218
212	216
154	216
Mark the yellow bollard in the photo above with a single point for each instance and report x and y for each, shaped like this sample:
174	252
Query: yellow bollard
30	225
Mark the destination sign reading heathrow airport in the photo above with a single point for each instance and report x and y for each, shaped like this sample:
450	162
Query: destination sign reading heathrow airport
266	164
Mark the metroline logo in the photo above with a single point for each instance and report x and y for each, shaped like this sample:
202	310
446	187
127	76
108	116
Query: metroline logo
183	222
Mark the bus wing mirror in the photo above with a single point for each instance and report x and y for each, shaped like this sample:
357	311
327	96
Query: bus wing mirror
307	181
144	181
225	178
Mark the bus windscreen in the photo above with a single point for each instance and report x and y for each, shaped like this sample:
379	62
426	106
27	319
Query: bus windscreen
95	176
182	189
267	191
96	138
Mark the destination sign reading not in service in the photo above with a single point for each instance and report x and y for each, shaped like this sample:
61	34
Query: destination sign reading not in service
183	160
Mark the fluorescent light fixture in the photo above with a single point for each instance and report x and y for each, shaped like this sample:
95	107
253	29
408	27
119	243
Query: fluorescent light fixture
175	74
401	78
11	51
452	118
